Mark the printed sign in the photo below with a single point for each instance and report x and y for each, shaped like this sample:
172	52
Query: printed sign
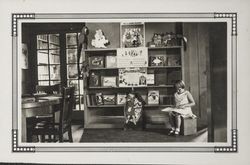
132	57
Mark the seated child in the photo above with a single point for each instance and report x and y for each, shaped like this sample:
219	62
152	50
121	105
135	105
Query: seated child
183	103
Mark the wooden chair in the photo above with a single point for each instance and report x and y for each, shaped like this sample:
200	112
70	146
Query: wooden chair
65	117
32	121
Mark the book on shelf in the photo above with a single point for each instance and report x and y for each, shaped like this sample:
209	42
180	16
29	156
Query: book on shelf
108	81
111	62
150	79
158	60
153	97
98	99
94	80
173	60
173	76
109	99
132	35
160	77
132	77
88	100
96	61
121	99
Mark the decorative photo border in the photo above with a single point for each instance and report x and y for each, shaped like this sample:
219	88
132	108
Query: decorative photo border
16	17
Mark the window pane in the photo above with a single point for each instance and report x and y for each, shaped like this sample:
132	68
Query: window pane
71	40
72	71
54	58
55	72
43	82
42	57
54	82
53	41
74	83
42	45
72	55
43	72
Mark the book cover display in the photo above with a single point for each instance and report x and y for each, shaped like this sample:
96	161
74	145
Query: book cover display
98	99
94	80
96	62
150	79
132	77
153	97
132	35
108	81
173	60
121	99
109	99
111	62
157	60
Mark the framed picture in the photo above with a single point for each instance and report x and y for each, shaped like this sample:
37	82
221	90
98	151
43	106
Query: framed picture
109	99
108	81
121	99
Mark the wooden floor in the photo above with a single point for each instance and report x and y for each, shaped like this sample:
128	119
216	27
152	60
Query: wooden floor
119	135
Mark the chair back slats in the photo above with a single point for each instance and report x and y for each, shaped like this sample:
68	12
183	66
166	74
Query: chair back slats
67	103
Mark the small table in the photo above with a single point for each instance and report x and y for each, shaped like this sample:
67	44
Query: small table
42	105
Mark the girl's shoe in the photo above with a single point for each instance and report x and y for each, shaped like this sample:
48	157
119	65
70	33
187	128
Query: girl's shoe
176	132
171	132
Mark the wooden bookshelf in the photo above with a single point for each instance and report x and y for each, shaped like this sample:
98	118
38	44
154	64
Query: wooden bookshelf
96	115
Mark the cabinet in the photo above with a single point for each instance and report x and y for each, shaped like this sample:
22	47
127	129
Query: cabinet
106	87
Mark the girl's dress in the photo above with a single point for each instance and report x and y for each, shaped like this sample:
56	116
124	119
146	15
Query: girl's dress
181	99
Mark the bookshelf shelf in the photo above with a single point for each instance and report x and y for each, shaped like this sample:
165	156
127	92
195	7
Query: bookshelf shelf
100	50
105	106
152	86
165	47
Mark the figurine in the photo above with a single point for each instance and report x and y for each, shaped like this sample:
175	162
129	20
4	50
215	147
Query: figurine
100	41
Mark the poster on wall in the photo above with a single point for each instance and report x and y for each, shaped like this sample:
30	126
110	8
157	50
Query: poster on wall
132	77
132	57
132	34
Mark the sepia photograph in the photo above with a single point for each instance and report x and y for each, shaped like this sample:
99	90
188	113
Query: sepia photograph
188	65
135	82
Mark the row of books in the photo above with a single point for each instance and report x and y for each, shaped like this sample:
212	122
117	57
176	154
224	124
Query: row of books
159	77
154	60
152	98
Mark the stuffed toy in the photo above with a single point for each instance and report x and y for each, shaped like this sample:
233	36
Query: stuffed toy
100	41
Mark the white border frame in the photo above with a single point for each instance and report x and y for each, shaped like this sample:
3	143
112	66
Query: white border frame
231	146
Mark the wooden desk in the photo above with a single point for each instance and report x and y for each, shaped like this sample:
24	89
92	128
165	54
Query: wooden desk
43	105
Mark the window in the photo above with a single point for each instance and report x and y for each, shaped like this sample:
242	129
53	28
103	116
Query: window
48	59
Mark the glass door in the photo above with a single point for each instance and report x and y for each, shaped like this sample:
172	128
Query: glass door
72	71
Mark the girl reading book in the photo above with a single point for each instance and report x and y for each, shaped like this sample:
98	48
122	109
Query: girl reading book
183	103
